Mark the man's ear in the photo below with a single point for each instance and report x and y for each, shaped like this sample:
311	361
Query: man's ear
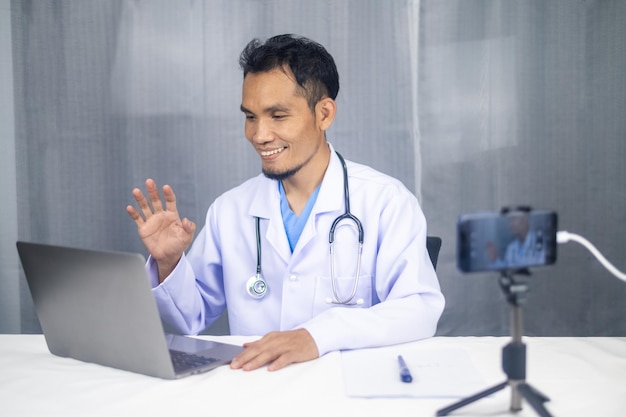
325	111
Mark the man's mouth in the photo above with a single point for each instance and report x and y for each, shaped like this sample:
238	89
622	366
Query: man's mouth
272	152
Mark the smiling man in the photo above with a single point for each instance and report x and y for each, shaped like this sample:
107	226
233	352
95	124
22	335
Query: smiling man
288	133
315	254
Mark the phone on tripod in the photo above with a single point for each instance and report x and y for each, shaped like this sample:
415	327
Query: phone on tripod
510	239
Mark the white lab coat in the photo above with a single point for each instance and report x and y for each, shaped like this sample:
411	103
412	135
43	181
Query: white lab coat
527	253
401	298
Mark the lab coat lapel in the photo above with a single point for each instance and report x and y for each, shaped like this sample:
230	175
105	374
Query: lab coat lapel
265	204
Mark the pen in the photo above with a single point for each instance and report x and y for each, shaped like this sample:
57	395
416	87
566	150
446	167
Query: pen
405	374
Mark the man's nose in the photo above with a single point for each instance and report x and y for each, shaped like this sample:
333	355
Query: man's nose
263	132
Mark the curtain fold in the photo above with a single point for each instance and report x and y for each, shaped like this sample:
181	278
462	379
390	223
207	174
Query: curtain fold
9	264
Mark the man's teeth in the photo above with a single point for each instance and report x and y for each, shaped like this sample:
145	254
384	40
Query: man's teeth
268	153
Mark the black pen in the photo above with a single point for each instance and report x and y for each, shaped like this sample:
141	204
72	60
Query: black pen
405	374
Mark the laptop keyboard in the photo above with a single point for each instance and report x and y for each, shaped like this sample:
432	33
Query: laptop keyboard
183	361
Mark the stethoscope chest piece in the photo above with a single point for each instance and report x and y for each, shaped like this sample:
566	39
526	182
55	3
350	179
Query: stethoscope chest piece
256	287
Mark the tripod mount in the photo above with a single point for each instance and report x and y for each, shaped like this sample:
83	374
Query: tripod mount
515	289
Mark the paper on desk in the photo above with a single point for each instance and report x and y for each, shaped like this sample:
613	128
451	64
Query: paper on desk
440	372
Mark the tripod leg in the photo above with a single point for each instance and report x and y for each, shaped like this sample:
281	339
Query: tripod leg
534	398
447	410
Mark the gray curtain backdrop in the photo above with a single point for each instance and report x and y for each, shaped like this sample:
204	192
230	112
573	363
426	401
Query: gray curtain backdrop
472	104
524	102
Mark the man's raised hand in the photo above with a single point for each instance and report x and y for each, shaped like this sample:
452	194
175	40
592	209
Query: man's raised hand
161	229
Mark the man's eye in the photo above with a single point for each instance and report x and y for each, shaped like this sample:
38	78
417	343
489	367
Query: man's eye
279	116
249	117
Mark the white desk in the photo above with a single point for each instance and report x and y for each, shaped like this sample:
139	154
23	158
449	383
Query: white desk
582	376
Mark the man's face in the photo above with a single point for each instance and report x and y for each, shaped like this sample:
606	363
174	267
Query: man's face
279	123
519	225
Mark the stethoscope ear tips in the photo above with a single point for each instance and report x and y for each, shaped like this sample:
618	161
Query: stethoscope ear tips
256	287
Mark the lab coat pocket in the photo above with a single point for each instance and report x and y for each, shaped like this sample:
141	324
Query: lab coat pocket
340	293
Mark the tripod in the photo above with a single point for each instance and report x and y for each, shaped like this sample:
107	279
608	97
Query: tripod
513	355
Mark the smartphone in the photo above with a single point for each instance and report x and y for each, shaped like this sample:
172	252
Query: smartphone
516	239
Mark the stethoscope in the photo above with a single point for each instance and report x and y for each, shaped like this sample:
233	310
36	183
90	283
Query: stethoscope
257	286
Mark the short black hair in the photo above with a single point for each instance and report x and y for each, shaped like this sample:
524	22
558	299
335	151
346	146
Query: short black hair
311	64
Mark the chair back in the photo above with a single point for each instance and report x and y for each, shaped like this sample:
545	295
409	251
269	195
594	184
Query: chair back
433	245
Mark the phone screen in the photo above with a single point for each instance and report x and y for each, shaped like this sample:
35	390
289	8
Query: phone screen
492	241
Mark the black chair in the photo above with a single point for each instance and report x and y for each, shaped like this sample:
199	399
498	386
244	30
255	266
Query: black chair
433	245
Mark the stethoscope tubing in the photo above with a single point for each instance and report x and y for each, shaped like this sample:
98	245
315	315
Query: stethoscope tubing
257	286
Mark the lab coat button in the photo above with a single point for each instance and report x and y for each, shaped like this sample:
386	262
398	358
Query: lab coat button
293	278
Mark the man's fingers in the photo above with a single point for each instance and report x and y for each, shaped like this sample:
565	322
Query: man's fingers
280	362
244	357
154	205
189	226
260	360
155	197
134	214
278	349
255	355
170	198
142	203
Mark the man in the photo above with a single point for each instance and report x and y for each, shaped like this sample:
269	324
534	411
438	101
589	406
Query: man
527	248
304	300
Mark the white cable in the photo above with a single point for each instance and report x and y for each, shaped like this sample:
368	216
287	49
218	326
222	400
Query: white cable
563	236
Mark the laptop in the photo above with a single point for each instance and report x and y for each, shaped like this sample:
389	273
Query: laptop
98	307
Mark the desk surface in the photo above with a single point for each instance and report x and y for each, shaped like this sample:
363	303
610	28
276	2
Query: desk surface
582	377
